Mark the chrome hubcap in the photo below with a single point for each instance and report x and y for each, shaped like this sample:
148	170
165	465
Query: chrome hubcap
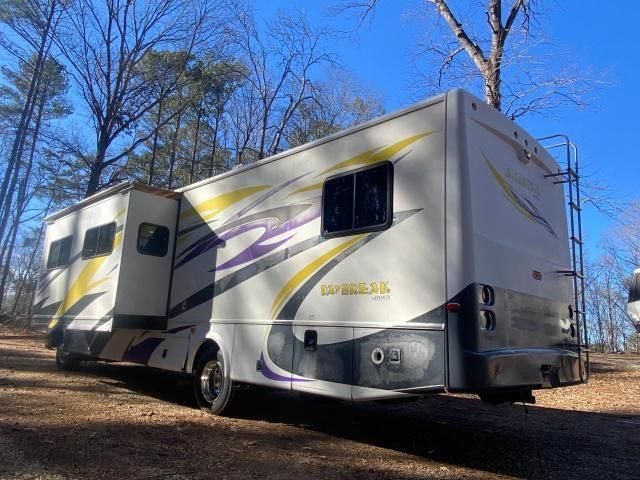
211	380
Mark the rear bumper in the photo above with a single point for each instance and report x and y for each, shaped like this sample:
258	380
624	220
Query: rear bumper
519	369
528	344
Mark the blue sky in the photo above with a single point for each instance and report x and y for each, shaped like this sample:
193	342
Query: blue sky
597	42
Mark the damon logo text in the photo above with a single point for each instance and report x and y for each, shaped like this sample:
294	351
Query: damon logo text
377	290
522	181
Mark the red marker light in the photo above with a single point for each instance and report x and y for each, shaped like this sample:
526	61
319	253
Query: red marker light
453	307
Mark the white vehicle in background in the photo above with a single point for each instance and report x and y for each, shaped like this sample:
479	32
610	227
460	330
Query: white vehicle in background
633	305
422	252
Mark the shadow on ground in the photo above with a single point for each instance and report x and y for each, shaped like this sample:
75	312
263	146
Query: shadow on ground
434	431
504	439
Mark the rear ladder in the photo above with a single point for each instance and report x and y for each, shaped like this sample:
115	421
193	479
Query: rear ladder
571	177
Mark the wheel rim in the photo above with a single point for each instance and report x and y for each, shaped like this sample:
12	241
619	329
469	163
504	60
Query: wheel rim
212	380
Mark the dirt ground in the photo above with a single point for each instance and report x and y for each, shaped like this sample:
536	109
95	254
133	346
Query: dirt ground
122	421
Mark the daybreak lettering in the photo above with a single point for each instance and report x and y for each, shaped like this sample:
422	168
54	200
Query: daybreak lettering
360	288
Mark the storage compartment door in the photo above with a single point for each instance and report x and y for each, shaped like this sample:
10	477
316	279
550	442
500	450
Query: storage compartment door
323	360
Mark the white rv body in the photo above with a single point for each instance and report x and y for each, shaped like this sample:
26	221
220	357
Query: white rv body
370	313
633	305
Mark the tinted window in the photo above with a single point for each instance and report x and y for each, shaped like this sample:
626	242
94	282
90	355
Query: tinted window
99	241
338	204
634	291
358	201
371	197
59	253
153	239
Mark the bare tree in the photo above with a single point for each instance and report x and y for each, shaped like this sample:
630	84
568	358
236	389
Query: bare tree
339	102
472	50
608	283
278	76
34	22
105	43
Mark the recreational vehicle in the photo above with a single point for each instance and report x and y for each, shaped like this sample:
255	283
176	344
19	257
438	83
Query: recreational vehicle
633	305
425	251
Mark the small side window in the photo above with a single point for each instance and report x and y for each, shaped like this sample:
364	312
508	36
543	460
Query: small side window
153	239
98	241
358	201
59	253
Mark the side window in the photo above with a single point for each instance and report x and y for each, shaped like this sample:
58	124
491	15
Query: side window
153	239
358	201
59	253
98	241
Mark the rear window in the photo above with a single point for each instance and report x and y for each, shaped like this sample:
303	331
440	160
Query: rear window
98	241
153	239
59	253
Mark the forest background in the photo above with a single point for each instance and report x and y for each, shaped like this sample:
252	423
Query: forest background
168	92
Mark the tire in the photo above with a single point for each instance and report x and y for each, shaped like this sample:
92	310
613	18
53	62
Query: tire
212	387
66	361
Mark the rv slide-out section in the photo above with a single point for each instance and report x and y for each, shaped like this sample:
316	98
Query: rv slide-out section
412	254
107	265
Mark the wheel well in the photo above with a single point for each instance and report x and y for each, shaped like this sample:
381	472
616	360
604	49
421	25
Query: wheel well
206	345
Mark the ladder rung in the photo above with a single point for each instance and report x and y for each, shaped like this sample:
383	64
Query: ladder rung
570	172
575	207
570	273
577	240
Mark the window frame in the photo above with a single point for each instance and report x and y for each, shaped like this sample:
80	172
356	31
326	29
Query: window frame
371	228
166	251
98	227
59	240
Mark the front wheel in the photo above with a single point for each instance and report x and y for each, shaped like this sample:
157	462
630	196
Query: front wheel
213	388
66	361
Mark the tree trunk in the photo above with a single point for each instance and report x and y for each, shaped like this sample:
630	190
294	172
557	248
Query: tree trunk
98	164
195	149
7	267
94	178
22	194
154	150
33	257
8	206
263	134
27	112
26	272
174	146
213	148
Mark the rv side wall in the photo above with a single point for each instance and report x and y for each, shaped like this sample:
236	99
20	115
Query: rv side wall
254	273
